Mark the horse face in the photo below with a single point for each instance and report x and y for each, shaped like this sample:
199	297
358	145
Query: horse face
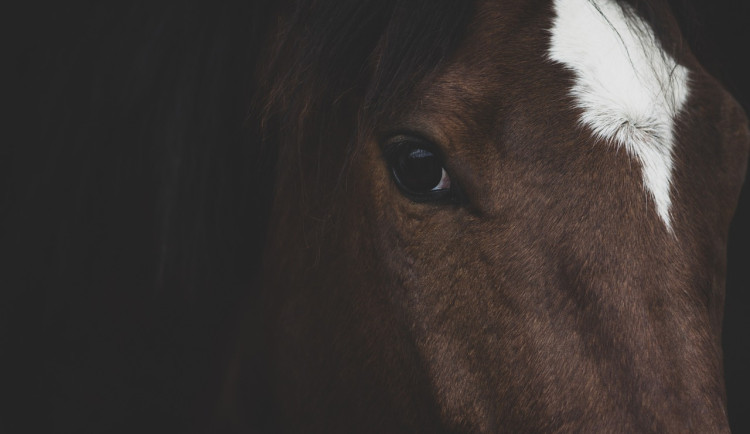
534	242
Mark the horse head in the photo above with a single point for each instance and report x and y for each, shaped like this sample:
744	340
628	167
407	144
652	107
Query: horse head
495	216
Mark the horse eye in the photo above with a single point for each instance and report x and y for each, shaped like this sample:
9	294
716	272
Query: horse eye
418	171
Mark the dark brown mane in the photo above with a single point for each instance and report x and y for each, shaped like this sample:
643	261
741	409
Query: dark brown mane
325	60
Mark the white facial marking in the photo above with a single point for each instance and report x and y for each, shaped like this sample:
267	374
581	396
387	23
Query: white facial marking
630	91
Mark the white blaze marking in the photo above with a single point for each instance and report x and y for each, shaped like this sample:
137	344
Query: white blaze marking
630	91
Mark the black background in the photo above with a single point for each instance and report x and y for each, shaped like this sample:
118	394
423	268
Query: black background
723	45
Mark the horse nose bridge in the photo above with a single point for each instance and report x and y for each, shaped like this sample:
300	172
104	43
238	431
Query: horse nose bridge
650	334
625	314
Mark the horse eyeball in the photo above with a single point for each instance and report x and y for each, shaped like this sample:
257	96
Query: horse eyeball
418	171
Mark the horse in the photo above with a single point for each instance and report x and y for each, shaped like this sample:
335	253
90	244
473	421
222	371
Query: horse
376	216
489	216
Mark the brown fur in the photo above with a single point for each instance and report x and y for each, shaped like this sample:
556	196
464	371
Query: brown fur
552	301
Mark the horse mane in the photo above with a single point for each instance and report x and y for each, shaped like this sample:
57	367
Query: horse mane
135	204
335	64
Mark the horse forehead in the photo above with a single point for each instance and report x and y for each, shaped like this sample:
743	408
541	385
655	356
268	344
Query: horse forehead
626	90
629	90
